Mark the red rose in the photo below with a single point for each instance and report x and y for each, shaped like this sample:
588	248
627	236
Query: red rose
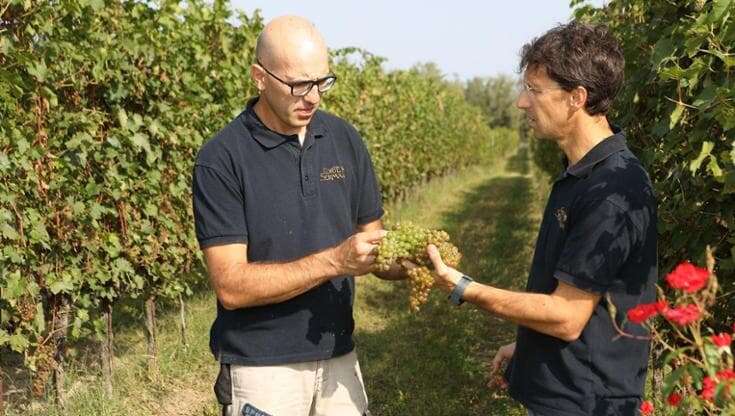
726	375
640	313
682	315
646	408
721	339
674	399
708	388
687	277
661	306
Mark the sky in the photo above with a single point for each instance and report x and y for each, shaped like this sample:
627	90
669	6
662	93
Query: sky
464	38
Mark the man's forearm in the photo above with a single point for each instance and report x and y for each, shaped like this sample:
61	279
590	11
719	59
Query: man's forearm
255	284
540	312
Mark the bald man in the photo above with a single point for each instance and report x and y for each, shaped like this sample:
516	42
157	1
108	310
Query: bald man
287	210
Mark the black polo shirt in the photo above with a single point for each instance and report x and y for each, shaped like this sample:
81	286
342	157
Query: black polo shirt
285	201
598	234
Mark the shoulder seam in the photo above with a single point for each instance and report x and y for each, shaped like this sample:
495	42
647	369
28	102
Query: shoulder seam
217	170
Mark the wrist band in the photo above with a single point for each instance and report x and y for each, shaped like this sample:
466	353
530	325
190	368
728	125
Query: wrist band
456	296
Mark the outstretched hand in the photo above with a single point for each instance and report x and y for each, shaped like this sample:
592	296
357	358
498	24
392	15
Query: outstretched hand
445	276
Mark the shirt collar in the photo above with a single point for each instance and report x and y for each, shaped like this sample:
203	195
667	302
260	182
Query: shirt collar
269	138
597	154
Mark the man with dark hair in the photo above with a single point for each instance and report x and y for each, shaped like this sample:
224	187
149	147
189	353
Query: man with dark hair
287	211
596	246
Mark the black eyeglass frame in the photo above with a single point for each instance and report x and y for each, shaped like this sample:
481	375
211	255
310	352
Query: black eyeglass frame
311	83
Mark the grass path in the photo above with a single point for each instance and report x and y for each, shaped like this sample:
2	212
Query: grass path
427	363
432	362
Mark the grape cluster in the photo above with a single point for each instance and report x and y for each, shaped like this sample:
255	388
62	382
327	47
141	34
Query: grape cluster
44	362
406	241
26	308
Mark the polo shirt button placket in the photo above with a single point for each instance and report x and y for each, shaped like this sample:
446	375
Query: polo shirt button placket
305	161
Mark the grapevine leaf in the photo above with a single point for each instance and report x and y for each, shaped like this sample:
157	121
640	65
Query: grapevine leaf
706	151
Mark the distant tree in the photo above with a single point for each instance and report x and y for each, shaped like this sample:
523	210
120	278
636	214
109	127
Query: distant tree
496	97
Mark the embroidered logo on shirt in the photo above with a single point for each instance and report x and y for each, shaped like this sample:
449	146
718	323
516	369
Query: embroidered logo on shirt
332	174
561	216
250	410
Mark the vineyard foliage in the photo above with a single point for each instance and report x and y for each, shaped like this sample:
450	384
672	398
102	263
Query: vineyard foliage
103	106
678	108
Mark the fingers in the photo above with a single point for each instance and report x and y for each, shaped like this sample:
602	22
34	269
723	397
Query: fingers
362	248
436	259
497	361
372	237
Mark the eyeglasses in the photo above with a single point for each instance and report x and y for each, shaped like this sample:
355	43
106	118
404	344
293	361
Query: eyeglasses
302	88
535	91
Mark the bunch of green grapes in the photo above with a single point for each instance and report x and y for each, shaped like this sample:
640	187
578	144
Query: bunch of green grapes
406	241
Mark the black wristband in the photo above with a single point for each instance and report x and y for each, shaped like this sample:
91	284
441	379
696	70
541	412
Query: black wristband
456	296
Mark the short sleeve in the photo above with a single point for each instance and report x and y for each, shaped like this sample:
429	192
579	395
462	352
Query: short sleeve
370	202
219	208
599	242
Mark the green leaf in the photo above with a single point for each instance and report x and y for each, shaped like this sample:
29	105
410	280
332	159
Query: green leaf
672	379
96	211
82	316
676	116
141	141
122	118
4	162
725	115
50	96
61	285
96	5
8	232
15	286
714	167
38	234
705	98
706	151
39	321
664	48
727	58
38	70
18	343
4	338
719	8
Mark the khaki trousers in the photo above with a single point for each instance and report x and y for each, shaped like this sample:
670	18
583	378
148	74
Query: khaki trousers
332	387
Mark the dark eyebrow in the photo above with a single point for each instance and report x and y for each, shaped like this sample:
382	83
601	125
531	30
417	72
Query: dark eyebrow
297	81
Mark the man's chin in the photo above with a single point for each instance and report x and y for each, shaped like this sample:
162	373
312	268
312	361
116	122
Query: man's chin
301	120
540	135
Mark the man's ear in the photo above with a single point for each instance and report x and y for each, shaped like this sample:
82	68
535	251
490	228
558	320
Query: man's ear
257	74
578	97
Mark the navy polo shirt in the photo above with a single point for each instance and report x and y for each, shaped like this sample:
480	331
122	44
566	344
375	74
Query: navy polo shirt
598	234
285	201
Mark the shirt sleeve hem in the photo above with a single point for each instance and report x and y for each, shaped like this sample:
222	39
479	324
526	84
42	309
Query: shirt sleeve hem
580	283
375	215
222	240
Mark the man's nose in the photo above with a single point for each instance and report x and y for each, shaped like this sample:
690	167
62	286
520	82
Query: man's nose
522	102
313	96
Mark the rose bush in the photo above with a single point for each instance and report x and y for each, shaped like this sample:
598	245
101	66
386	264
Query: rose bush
699	362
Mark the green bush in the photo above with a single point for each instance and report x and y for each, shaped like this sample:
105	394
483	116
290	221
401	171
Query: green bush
678	108
104	104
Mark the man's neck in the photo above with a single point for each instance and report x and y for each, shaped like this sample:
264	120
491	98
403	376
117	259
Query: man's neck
270	120
587	134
